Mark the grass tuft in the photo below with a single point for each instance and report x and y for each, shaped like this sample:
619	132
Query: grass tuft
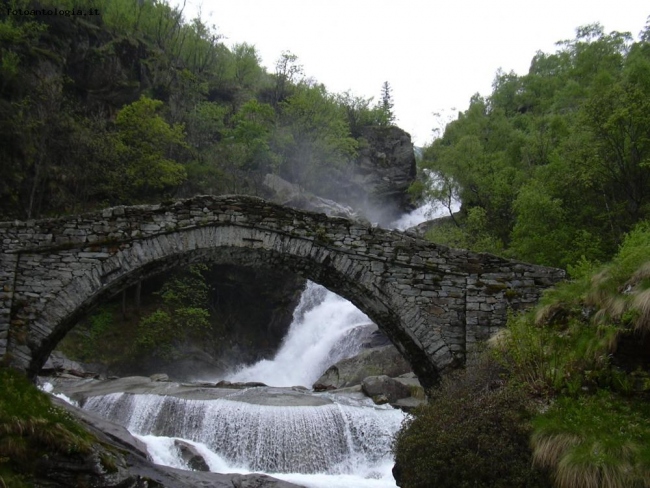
31	427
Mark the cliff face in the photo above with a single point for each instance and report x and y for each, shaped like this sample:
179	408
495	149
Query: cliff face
381	175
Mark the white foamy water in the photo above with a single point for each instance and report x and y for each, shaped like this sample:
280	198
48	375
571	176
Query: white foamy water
47	387
322	320
338	444
162	451
428	211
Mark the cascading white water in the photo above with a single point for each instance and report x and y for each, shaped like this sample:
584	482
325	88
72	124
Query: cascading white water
316	340
332	439
429	210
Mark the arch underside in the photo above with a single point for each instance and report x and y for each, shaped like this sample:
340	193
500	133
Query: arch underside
337	272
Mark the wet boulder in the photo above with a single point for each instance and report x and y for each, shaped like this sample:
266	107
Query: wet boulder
384	389
384	360
191	456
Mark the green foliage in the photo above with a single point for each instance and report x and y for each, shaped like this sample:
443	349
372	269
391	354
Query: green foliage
31	427
558	158
565	345
466	233
360	112
595	441
473	433
385	106
101	323
313	137
563	357
590	432
592	435
183	314
162	105
144	144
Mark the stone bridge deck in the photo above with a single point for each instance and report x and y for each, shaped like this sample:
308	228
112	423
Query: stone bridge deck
430	300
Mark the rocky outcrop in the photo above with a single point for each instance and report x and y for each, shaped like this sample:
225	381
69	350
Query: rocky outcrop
285	193
375	185
81	390
191	456
383	389
381	176
384	360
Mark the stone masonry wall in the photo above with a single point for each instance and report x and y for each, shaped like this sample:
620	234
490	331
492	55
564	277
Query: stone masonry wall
430	300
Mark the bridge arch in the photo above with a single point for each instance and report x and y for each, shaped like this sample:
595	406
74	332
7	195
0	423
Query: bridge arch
429	300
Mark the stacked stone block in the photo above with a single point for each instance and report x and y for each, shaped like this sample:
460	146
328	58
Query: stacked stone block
432	301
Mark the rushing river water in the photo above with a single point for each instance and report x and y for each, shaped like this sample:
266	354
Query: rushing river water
323	332
343	441
339	441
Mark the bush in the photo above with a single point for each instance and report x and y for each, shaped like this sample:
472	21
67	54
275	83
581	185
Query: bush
475	432
566	345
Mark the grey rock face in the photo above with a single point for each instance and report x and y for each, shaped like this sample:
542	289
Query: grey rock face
371	362
291	195
378	386
81	390
385	169
191	456
59	362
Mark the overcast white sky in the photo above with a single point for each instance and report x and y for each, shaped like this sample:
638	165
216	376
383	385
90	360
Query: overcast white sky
435	54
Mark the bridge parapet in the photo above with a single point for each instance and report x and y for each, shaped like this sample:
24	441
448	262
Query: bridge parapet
431	301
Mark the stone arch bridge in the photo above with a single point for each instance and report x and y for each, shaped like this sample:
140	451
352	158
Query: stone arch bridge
430	300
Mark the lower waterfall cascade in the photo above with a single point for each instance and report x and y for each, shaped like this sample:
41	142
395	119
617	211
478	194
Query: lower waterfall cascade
343	441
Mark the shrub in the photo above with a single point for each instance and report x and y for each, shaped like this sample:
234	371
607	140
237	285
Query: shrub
475	432
567	343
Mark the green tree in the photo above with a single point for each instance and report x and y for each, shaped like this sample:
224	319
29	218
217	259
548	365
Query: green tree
360	112
386	105
146	145
556	159
184	313
312	137
288	73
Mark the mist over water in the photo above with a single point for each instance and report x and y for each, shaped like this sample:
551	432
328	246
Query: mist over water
421	214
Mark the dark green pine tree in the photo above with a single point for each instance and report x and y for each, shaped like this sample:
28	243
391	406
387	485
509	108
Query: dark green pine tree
386	105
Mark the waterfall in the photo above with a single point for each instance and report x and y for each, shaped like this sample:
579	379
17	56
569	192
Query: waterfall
335	438
429	210
318	337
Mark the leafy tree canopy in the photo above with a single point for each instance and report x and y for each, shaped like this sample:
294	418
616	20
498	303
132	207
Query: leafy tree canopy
558	160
